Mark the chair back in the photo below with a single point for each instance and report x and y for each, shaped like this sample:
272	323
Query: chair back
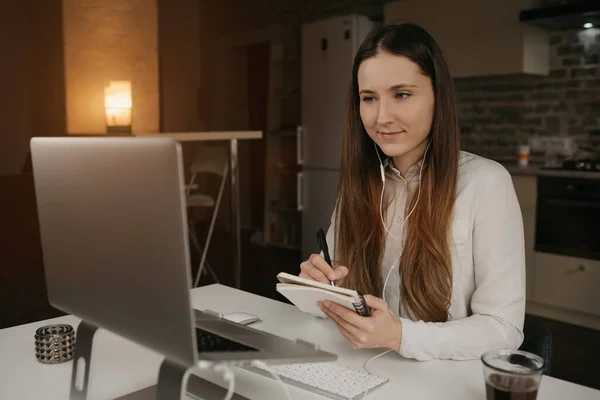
538	340
210	159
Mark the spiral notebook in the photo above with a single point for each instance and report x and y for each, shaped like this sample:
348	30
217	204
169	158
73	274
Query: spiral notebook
305	293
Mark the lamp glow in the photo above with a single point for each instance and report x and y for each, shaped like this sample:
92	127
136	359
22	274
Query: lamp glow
588	25
117	105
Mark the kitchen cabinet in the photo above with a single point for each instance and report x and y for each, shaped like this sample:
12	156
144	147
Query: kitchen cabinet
559	287
568	282
479	38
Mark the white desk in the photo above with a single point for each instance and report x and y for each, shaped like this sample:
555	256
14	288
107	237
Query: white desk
232	137
120	366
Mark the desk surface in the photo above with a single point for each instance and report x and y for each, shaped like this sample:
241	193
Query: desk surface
208	136
120	366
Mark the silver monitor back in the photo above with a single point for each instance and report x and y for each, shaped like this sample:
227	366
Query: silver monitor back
114	236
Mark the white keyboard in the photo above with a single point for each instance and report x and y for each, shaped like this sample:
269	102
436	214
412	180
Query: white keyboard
329	379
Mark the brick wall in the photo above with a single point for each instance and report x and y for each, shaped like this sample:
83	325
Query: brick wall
498	113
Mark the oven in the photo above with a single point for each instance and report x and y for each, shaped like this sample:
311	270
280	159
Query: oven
568	217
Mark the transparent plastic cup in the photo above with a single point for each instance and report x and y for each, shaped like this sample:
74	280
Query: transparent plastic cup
512	374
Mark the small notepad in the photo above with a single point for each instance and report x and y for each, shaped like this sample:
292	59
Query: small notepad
305	293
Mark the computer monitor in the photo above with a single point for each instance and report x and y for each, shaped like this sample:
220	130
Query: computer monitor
113	227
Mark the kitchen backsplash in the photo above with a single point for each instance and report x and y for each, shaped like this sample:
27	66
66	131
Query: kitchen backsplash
499	113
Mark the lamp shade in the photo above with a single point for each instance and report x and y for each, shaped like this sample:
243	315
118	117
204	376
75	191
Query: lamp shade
117	105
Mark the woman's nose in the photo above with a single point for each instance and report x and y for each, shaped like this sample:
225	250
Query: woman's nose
384	116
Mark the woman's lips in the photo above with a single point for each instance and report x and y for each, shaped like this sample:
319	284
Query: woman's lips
389	135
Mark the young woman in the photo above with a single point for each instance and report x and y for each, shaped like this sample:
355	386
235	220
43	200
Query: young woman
432	235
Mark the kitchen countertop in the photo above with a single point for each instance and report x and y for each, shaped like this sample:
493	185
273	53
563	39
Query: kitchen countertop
537	170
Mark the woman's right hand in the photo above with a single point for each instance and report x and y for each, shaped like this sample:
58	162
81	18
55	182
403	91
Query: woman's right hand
317	269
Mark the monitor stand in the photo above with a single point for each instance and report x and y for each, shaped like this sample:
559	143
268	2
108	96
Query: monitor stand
171	376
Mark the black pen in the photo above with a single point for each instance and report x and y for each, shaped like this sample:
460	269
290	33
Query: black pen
323	247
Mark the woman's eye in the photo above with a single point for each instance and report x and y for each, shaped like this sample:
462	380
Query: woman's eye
402	96
368	99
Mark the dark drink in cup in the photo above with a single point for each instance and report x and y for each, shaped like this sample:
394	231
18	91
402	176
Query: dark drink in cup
512	375
499	387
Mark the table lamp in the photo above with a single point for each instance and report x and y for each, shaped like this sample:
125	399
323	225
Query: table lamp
117	105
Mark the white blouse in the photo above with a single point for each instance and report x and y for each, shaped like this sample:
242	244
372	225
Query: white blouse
487	307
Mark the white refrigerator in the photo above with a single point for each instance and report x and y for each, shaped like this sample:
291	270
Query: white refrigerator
328	50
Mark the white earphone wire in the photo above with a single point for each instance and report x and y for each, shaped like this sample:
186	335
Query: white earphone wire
394	265
382	192
405	219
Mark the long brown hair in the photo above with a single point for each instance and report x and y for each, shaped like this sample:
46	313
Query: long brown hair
425	266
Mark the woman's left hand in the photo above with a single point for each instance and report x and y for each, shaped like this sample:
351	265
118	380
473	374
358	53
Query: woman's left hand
381	329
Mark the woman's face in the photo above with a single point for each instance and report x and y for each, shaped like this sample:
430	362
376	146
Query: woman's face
396	106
